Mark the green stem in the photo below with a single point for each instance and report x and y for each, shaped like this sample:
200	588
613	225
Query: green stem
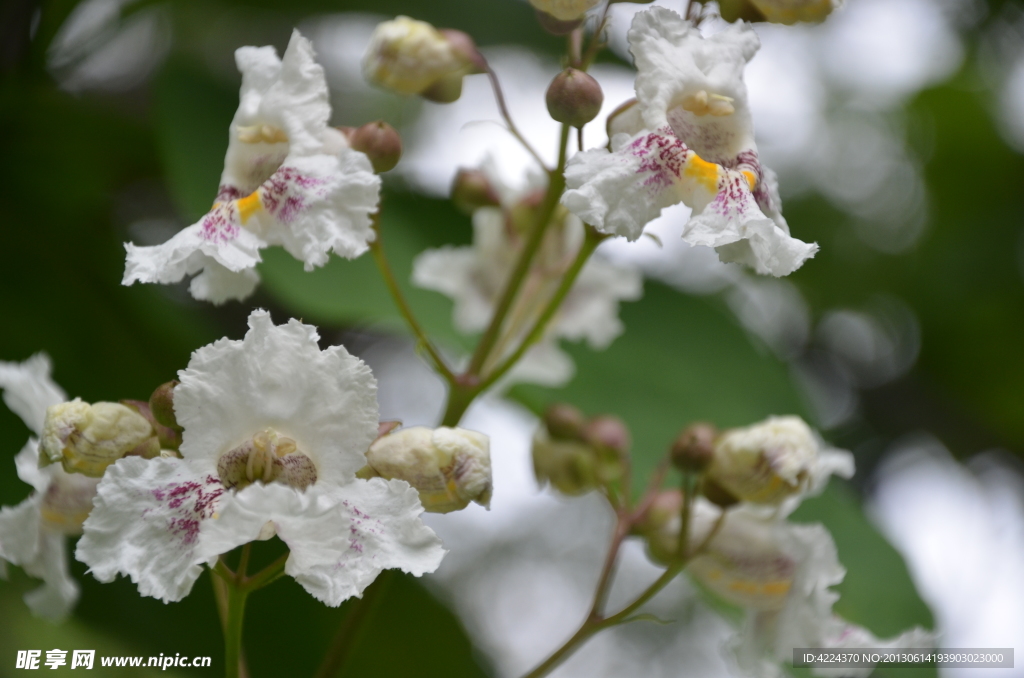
265	576
595	622
556	184
344	640
590	243
233	630
499	98
377	249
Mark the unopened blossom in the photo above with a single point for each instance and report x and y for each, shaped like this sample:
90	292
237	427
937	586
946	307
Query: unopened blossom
411	57
33	534
773	460
697	148
288	180
274	430
449	467
475	276
86	438
565	10
792	11
781	573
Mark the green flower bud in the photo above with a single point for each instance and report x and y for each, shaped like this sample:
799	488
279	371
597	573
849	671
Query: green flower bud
574	98
564	422
472	190
557	26
660	524
86	438
161	404
449	467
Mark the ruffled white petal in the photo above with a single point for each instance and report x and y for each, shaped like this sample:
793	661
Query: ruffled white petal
41	553
674	63
146	522
29	390
452	272
591	309
341	537
27	464
288	180
619	192
278	377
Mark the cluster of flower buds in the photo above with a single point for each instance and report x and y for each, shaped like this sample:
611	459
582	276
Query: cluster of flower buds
576	455
776	11
449	467
413	57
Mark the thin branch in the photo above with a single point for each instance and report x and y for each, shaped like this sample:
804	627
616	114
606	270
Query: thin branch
377	249
499	98
590	243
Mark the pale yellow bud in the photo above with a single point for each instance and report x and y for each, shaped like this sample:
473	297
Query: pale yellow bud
410	56
565	10
449	467
766	462
87	438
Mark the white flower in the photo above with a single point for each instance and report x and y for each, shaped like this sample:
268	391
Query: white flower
775	460
410	56
698	148
449	467
288	180
782	574
33	533
565	10
274	432
475	277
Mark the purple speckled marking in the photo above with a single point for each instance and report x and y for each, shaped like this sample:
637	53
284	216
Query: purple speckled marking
190	503
287	193
220	225
227	193
662	156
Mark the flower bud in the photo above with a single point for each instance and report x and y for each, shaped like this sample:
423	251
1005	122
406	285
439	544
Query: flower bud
574	98
660	524
410	57
569	466
87	438
608	432
626	119
564	422
472	190
694	447
716	494
449	467
166	437
565	10
463	46
792	11
380	142
557	26
767	462
444	91
161	404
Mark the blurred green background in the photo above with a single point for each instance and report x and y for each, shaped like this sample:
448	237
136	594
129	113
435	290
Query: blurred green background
79	168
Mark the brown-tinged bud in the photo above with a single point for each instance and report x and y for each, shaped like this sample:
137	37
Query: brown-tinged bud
694	447
161	404
660	524
381	144
717	494
466	49
166	437
574	98
557	26
564	422
608	432
472	190
386	427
